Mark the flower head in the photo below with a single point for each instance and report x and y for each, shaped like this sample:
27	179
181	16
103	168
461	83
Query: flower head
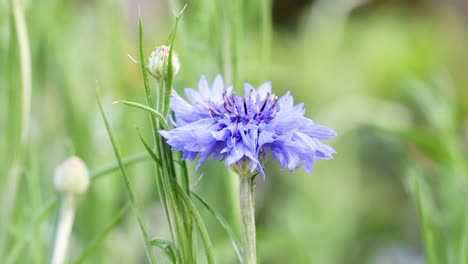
158	62
72	176
242	130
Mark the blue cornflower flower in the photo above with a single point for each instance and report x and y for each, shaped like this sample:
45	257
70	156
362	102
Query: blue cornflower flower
243	130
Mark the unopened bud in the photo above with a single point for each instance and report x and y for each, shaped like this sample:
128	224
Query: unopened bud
72	177
158	62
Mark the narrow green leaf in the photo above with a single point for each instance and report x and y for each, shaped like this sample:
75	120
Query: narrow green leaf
16	251
170	71
148	109
148	148
92	246
131	195
154	127
197	181
198	221
45	211
172	34
167	247
185	181
144	72
106	169
222	221
24	93
426	227
162	189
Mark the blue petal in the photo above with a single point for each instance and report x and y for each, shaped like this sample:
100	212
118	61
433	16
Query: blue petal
217	89
286	102
236	153
248	88
264	90
290	122
266	137
299	108
193	96
189	155
226	131
184	111
194	137
324	151
319	131
262	172
206	154
286	156
308	162
204	88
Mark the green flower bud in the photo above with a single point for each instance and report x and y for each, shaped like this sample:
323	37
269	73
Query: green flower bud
158	62
71	177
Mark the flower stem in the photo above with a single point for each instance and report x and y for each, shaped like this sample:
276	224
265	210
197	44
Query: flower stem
20	148
63	231
247	206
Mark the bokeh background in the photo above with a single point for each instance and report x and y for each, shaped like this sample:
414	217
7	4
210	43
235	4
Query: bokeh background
389	76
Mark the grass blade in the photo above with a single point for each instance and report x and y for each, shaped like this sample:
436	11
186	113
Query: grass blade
106	169
428	235
131	195
149	99
198	221
148	109
167	247
154	128
222	221
170	70
16	169
169	201
93	244
148	148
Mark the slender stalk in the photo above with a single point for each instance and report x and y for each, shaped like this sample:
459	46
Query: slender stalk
247	206
16	169
154	127
34	184
26	76
64	227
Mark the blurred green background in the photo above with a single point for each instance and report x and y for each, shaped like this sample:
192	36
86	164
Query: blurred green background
388	76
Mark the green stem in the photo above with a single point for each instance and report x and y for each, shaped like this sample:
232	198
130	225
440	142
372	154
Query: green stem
154	127
17	167
247	206
64	227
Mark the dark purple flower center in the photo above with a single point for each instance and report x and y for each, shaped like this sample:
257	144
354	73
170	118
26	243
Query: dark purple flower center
247	109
